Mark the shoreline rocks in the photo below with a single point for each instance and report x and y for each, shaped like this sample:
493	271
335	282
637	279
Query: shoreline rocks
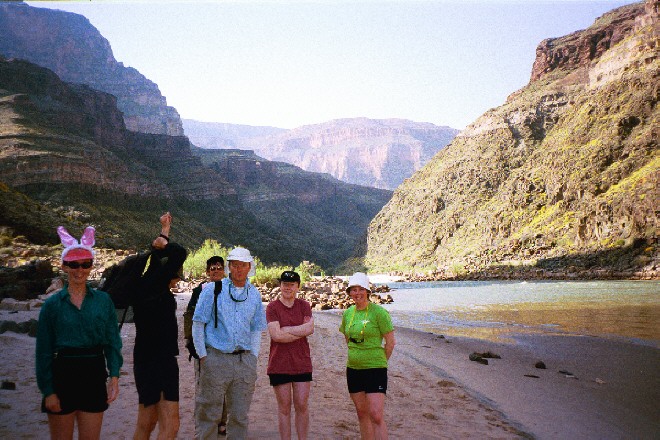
531	273
328	293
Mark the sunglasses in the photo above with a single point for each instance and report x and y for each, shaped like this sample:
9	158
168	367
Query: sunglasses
216	268
76	265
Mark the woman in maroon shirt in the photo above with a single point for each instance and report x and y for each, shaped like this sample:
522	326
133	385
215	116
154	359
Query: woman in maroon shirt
290	321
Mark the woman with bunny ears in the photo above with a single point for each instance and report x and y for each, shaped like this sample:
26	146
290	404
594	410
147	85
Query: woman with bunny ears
78	347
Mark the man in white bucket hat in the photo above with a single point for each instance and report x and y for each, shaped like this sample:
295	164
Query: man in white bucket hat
228	351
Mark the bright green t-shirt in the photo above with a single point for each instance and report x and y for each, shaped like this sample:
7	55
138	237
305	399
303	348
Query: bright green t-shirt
365	329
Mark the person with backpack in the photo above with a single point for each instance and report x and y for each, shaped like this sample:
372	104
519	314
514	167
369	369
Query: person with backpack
228	351
155	364
215	271
78	346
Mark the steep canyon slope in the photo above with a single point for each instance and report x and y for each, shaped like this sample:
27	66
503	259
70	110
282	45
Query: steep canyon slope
70	46
568	166
66	157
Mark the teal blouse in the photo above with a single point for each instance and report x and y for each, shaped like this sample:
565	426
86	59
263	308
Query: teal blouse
62	324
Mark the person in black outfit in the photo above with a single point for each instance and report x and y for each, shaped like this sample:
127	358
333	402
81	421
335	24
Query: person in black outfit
156	338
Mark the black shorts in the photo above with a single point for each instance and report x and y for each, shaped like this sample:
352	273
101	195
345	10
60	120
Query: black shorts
79	380
156	376
370	380
281	379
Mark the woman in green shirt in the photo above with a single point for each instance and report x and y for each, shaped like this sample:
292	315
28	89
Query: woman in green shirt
77	339
365	325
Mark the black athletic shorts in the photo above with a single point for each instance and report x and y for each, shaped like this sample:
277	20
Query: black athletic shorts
79	380
281	379
370	380
156	376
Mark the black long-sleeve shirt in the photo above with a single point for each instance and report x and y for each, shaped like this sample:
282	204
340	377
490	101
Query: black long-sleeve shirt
156	329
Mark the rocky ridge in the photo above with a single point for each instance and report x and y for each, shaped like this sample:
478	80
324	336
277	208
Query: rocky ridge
70	46
66	154
66	133
379	153
566	172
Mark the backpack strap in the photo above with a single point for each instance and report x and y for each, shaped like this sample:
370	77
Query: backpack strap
216	291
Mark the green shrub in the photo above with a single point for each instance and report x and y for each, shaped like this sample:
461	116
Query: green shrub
458	269
5	240
307	270
268	275
355	264
195	264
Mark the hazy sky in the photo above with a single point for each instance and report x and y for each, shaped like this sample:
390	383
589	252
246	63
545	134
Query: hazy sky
292	63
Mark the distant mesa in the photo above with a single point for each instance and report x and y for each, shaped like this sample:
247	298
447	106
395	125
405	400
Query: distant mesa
380	153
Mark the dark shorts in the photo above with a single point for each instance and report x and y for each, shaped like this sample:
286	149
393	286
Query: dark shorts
156	376
370	380
281	379
79	380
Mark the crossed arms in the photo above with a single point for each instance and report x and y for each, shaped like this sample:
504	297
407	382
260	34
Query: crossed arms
291	333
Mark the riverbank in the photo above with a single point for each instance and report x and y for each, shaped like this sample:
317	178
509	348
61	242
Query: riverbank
591	388
526	274
419	400
435	391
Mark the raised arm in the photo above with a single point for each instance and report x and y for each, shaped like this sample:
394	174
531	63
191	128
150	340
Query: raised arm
165	225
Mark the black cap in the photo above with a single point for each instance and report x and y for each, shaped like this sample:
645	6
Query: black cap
290	276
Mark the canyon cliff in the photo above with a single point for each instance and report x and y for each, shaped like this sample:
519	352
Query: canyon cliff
70	46
565	172
380	153
67	158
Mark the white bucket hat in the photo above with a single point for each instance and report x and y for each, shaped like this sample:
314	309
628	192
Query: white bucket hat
359	279
241	254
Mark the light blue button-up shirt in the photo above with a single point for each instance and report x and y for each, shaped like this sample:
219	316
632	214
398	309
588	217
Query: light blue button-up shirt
238	318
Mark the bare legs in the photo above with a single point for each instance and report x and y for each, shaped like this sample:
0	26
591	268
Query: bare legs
298	392
89	425
369	408
165	413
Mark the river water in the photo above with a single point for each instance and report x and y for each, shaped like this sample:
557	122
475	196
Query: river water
498	310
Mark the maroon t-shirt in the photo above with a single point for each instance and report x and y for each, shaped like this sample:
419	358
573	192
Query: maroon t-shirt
290	357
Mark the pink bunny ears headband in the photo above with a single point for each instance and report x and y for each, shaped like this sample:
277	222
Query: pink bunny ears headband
74	250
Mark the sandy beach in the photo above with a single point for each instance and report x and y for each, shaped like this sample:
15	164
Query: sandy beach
435	391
